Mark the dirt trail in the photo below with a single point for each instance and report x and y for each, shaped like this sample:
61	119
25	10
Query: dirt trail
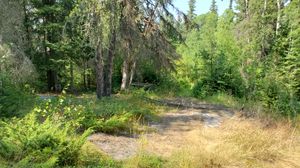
172	131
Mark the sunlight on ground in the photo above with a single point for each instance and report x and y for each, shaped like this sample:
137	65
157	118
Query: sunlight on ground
237	143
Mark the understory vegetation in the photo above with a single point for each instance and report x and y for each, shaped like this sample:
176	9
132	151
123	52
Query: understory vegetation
74	68
54	134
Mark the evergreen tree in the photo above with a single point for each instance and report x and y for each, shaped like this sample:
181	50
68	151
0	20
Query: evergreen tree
213	7
192	8
46	20
291	62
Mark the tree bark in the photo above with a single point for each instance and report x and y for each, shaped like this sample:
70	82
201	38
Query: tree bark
27	31
125	69
278	16
89	82
230	4
246	8
110	65
99	70
132	71
50	80
265	7
84	75
48	38
72	77
263	47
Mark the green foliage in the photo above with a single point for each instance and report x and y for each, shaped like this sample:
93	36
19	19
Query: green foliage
47	137
35	142
90	156
122	114
110	115
202	89
210	62
279	100
241	55
64	109
290	66
14	100
145	160
192	8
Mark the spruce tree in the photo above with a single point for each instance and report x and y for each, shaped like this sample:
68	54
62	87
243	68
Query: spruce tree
213	7
192	8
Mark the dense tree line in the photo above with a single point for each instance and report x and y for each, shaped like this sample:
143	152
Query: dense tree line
250	51
65	37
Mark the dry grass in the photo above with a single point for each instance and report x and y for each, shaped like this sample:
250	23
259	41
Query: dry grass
240	143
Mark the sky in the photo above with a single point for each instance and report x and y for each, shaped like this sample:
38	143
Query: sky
202	6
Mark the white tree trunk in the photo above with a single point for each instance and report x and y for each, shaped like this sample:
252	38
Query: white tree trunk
125	74
132	71
278	16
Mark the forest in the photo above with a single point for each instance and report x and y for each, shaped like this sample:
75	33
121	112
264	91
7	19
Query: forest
143	84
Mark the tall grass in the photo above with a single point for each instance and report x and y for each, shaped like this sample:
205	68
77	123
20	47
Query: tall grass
240	143
237	143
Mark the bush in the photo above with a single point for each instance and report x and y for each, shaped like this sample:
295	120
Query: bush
207	87
30	142
170	86
202	89
66	109
276	98
14	100
110	115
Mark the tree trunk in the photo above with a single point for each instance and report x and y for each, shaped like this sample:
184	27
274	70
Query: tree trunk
57	85
230	4
246	8
48	38
110	64
89	82
99	70
263	47
84	75
50	80
265	7
278	16
132	72
125	69
72	77
27	31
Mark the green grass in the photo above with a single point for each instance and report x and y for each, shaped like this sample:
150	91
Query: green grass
62	120
123	113
144	160
225	99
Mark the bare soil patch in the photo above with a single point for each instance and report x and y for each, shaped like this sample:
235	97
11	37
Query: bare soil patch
170	133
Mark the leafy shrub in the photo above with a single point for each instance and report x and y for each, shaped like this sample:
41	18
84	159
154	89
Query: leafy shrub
202	89
122	113
66	109
14	100
170	86
277	98
109	115
222	83
30	142
115	124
